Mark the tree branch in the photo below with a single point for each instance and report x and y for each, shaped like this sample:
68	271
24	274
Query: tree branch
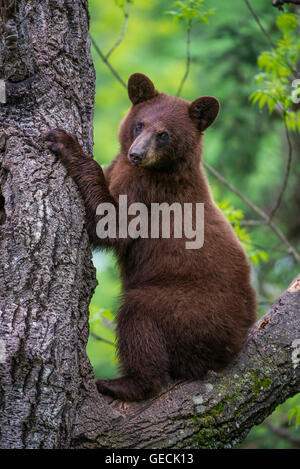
264	248
216	412
188	57
97	337
252	222
279	3
262	28
282	433
105	60
116	44
257	210
286	174
124	27
267	35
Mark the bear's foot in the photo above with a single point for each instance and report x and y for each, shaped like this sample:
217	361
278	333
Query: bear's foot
126	389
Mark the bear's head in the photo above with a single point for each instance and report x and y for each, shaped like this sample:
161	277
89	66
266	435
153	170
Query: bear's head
160	130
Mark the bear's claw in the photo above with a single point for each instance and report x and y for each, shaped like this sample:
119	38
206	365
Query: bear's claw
61	142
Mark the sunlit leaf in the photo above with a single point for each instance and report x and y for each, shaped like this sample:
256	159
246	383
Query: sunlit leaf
286	22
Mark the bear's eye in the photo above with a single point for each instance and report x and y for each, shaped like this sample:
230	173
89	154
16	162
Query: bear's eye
163	138
138	128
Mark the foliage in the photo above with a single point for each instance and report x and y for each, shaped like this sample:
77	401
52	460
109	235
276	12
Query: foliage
191	10
102	352
235	216
275	87
102	313
122	3
295	415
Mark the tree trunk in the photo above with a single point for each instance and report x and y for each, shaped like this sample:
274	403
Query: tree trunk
48	398
46	274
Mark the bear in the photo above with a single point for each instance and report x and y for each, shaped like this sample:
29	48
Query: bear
183	311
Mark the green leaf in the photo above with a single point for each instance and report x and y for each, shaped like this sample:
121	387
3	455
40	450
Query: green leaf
271	104
256	96
262	100
276	67
191	10
298	419
298	120
286	22
295	411
263	255
235	216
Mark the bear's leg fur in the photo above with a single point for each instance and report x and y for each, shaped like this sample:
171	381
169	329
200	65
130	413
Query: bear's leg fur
143	357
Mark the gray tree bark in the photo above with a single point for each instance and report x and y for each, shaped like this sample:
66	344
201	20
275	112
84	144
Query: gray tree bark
46	274
48	398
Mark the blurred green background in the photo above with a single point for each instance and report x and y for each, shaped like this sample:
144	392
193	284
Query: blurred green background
247	144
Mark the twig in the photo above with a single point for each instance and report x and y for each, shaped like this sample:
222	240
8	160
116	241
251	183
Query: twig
267	35
113	71
254	207
265	32
116	44
97	337
286	175
252	222
283	433
257	210
188	57
279	3
265	248
290	152
124	27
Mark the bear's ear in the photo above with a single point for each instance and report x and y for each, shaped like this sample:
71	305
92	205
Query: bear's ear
204	111
140	88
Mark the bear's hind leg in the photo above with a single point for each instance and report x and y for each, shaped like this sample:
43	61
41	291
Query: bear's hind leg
143	356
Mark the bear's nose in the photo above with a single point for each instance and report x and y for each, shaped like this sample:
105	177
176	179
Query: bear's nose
137	156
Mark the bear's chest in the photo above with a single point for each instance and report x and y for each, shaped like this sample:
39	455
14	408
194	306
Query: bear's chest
147	188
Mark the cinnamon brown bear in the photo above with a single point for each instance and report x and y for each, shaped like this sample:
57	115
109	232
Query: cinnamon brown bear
184	311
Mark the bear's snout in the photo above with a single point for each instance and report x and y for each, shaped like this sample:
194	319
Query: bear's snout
137	156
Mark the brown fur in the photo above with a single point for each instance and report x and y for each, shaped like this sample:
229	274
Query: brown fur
183	311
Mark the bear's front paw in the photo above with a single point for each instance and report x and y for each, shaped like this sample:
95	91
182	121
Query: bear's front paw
62	143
